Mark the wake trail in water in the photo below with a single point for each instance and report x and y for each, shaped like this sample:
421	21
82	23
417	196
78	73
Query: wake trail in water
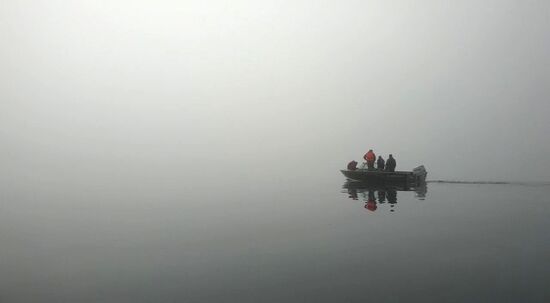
489	182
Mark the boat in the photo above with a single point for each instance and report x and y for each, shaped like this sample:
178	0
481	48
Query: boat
407	178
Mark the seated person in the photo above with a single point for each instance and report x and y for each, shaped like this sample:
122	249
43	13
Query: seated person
352	165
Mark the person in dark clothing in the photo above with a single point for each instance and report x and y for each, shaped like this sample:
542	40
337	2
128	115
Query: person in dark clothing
380	163
390	164
352	165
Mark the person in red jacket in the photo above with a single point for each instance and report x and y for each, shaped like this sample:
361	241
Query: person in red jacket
370	157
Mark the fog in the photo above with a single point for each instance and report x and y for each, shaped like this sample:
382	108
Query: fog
167	91
190	150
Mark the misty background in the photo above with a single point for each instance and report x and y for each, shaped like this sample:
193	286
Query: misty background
156	151
160	92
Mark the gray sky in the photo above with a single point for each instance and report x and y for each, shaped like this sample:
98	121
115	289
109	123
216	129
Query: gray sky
172	87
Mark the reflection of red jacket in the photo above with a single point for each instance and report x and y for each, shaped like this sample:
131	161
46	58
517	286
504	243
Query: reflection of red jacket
371	205
370	157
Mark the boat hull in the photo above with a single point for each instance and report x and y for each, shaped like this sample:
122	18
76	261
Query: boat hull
415	176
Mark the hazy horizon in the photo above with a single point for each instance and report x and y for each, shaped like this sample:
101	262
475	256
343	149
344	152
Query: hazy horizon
127	88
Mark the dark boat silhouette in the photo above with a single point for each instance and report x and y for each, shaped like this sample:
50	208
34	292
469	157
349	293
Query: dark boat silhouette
406	178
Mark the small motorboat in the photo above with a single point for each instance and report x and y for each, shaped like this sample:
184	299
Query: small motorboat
408	178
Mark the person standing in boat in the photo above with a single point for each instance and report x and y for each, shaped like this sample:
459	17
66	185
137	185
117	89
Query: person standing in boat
391	164
370	157
380	163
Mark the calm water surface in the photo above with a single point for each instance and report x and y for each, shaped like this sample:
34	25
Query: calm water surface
272	240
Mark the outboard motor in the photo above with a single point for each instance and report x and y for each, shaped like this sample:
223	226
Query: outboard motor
420	174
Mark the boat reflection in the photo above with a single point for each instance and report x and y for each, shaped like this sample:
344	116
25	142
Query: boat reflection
374	194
